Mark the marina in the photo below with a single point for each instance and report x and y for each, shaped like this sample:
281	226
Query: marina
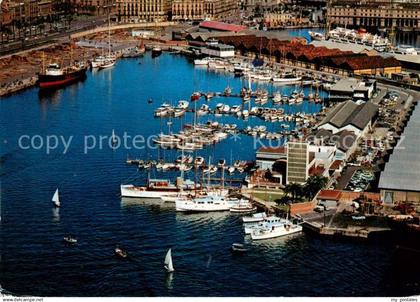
157	238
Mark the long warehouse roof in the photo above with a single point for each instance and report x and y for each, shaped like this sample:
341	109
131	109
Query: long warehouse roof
402	172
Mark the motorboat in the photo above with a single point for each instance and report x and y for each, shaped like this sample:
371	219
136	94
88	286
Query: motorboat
199	160
227	91
257	217
70	239
243	207
156	51
204	109
119	252
238	248
268	222
276	231
211	203
201	62
183	104
195	96
221	163
287	78
231	169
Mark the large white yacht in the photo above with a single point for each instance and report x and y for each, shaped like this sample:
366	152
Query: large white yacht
157	189
210	203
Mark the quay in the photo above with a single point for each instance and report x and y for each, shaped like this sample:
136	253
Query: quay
17	85
267	206
362	232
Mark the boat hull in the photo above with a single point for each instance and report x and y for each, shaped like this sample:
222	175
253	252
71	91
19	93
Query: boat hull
134	192
276	232
56	81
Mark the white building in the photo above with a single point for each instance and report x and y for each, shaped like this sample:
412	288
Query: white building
219	50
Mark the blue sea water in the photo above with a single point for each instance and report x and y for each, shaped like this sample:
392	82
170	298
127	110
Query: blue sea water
34	260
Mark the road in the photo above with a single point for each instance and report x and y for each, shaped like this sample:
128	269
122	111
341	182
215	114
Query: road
47	37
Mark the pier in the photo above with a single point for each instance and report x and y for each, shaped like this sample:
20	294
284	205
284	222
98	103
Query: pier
362	232
17	85
268	206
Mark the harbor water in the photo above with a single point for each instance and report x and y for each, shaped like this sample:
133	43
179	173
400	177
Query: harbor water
34	260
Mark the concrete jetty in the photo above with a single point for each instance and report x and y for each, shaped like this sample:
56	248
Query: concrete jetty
362	232
17	85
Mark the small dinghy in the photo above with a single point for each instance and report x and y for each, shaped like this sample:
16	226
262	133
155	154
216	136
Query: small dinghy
119	252
70	239
56	199
238	248
169	267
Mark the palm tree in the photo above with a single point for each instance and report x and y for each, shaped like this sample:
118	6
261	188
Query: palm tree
314	184
295	189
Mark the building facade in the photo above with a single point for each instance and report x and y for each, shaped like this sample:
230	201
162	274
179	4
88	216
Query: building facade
375	14
26	11
94	7
188	10
217	9
297	162
142	10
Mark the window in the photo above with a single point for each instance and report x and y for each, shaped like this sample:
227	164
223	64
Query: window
389	197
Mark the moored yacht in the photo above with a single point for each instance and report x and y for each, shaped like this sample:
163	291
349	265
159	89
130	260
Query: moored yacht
285	229
156	189
210	203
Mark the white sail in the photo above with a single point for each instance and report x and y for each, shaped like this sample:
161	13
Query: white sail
168	262
56	198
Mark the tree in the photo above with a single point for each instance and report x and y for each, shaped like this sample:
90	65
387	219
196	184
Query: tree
314	184
295	190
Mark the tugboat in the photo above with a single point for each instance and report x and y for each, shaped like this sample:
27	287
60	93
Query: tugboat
54	76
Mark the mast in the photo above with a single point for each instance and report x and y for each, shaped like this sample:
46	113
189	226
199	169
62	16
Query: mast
109	34
43	62
71	54
223	178
208	179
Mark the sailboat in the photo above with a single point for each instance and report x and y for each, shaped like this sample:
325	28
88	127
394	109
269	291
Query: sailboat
56	199
114	139
109	60
168	262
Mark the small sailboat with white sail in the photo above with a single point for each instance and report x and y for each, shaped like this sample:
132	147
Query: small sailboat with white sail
56	199
114	139
169	267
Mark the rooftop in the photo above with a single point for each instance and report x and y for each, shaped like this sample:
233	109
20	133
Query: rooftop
329	194
220	26
336	164
343	140
280	150
402	172
345	84
349	113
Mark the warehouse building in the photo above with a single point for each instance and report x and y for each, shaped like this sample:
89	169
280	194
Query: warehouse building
400	181
351	117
